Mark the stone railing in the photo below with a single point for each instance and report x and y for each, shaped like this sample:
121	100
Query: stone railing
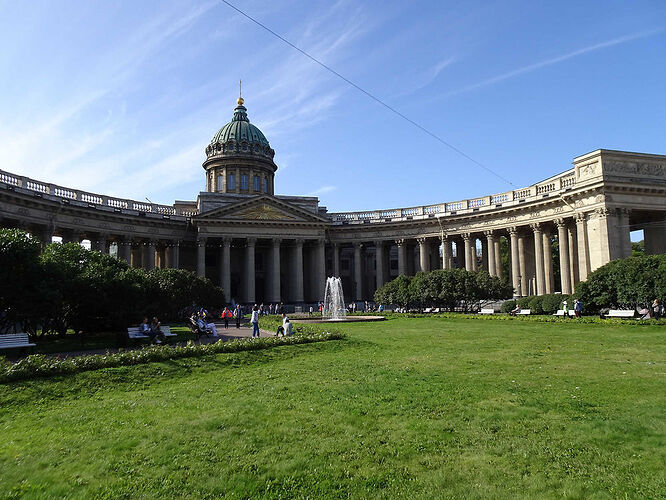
90	199
535	192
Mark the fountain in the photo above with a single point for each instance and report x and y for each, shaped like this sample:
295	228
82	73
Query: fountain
334	300
334	306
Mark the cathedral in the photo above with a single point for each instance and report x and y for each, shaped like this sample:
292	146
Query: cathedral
260	246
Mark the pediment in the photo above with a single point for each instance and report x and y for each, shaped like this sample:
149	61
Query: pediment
261	209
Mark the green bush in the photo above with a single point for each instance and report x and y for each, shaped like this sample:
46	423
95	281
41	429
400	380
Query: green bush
535	304
508	306
524	302
38	365
628	283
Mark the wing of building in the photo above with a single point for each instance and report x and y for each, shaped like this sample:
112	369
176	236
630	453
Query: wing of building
263	247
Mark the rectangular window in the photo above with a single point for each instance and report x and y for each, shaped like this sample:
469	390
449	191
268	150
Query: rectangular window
220	182
256	183
266	185
244	181
231	182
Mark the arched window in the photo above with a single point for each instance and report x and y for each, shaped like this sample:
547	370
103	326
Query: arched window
256	183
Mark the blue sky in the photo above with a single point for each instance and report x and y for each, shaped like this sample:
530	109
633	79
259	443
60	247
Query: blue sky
122	97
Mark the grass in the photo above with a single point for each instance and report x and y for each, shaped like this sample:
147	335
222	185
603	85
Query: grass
410	407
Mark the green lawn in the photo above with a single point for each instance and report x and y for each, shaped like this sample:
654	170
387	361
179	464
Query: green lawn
411	407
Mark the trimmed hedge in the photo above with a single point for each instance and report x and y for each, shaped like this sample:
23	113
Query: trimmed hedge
39	365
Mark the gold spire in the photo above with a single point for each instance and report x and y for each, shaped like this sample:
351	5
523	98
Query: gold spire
240	100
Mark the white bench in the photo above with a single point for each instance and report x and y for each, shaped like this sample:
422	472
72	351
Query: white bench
487	310
436	310
134	332
427	310
560	312
15	341
524	312
621	313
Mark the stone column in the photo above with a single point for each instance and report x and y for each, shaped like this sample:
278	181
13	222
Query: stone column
565	272
150	254
358	277
446	253
547	261
274	295
469	256
168	256
379	263
201	256
175	255
401	243
125	249
320	269
100	243
538	259
583	248
225	271
45	236
515	265
573	256
490	246
624	232
336	260
498	257
484	255
297	269
424	260
522	264
249	270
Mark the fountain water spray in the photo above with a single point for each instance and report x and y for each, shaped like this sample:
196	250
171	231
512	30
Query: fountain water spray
334	300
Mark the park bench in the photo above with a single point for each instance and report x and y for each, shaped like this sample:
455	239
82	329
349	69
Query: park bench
560	312
621	313
198	332
134	333
427	310
524	312
487	310
15	341
435	310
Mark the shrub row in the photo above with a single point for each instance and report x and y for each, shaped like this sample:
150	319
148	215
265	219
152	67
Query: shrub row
539	304
535	318
38	365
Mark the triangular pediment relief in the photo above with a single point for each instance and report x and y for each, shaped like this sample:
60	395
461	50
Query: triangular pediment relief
261	208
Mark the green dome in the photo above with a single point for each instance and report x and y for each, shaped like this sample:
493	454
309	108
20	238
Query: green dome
239	137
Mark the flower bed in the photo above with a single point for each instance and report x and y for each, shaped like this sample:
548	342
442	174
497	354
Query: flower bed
39	365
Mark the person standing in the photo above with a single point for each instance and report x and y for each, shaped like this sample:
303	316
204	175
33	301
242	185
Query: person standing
578	308
286	326
255	321
565	308
226	314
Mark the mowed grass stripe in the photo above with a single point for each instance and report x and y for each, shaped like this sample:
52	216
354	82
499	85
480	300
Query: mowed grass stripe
410	407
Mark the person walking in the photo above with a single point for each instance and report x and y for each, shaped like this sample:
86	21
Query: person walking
255	322
565	308
226	314
237	313
578	308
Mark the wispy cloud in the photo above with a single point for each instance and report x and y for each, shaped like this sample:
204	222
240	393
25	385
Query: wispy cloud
555	60
322	190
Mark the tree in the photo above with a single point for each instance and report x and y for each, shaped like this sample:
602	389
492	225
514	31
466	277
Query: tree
19	278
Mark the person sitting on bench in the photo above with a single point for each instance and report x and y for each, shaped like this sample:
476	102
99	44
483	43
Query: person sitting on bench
156	331
203	326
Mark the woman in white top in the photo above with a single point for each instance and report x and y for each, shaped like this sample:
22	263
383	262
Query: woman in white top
255	322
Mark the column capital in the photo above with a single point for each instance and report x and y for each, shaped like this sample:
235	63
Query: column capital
400	242
298	242
489	232
276	242
421	240
379	243
513	230
201	241
536	227
226	240
357	245
560	223
466	236
250	242
581	217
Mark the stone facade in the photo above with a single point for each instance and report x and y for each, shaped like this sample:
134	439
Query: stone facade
262	247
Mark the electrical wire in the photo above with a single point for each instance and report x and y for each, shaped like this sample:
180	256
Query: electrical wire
370	95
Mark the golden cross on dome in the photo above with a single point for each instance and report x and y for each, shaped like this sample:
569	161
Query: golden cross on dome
240	93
